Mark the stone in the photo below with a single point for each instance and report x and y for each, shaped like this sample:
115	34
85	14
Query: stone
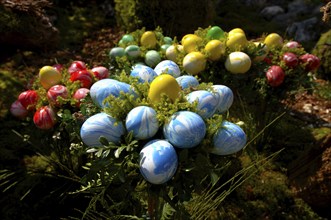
271	11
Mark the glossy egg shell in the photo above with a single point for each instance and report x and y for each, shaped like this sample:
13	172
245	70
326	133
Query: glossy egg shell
76	66
57	91
187	81
148	39
215	33
169	67
142	121
238	62
194	63
44	118
80	94
100	72
185	129
163	84
143	73
158	161
101	124
225	98
229	139
28	99
207	102
84	76
49	76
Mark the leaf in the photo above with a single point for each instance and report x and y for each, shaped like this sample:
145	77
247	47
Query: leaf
167	212
103	141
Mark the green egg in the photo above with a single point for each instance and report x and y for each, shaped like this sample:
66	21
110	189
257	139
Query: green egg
116	52
164	47
167	40
215	33
152	58
132	51
127	38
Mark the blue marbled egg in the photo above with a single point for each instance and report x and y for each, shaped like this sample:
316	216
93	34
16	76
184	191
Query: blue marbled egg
101	124
142	121
187	81
225	96
185	129
143	73
158	161
106	87
207	102
229	139
169	67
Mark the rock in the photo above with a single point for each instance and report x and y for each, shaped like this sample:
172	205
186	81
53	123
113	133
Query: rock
304	31
271	11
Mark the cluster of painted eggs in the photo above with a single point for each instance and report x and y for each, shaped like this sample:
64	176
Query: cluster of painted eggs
54	82
232	48
184	129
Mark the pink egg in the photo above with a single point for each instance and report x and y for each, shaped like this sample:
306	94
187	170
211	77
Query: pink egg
57	91
84	76
28	99
18	110
292	44
81	93
44	118
100	72
76	66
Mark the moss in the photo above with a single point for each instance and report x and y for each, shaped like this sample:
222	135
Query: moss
323	51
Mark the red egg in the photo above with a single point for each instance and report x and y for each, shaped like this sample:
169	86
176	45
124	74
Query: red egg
58	67
44	118
310	61
81	93
28	99
18	110
57	91
100	72
84	76
291	60
275	76
76	66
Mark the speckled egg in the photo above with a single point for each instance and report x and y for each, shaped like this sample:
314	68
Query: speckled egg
158	161
101	125
225	98
185	129
207	102
169	67
187	81
142	121
143	73
229	139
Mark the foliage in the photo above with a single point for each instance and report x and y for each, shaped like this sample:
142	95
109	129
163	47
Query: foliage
323	50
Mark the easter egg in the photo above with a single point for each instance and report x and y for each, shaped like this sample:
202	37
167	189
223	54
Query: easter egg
167	40
310	61
164	84
84	77
152	58
164	47
57	91
18	110
275	76
44	118
207	102
229	139
58	67
132	51
49	76
173	51
215	33
187	81
225	98
100	72
100	90
158	161
238	62
169	67
292	44
261	52
116	52
28	99
76	66
191	42
236	41
214	50
290	59
127	38
80	94
101	125
185	129
194	63
148	39
143	73
235	31
142	121
273	40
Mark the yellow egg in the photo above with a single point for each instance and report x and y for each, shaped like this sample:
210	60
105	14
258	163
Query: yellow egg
238	62
49	76
194	63
262	51
273	40
173	51
236	30
236	41
191	42
148	39
163	84
214	49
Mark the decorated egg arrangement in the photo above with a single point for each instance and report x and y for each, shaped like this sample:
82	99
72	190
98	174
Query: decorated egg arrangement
143	73
207	102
